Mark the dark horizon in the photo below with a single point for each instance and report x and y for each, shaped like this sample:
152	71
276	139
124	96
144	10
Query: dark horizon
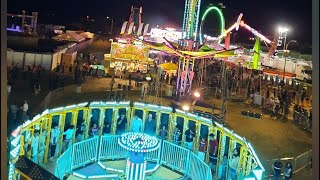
265	17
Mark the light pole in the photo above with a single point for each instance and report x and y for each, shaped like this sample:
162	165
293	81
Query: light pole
283	33
285	56
111	24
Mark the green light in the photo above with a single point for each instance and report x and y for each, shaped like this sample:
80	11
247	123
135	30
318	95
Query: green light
222	21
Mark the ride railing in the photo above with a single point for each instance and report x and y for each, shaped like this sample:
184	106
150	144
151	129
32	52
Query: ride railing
155	155
299	163
110	148
198	169
175	156
64	162
169	154
85	152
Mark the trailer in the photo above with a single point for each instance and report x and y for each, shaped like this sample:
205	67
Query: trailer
301	69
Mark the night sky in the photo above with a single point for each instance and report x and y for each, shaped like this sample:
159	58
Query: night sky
264	16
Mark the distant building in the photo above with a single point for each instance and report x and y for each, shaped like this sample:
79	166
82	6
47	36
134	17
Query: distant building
29	50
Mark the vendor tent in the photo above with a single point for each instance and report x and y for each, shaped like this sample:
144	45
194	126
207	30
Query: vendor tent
70	36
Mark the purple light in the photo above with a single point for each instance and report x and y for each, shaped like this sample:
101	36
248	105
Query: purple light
14	29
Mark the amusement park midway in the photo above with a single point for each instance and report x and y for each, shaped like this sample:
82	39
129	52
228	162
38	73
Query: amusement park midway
131	99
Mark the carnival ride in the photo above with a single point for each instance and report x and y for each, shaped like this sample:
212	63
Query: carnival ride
103	156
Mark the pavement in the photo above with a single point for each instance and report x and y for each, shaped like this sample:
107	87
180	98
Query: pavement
271	138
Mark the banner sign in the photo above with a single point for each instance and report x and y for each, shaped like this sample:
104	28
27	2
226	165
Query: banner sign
129	52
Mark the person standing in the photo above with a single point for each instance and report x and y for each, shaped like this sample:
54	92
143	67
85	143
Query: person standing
277	170
68	139
62	68
150	126
202	149
163	132
14	109
42	147
94	131
24	108
58	68
80	131
37	88
106	128
35	146
70	68
136	124
54	139
189	138
121	124
288	171
8	90
233	164
213	151
177	135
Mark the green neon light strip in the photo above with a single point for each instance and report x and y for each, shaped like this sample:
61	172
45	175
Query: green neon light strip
222	21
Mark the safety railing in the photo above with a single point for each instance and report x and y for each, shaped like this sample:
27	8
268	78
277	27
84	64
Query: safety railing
110	149
198	169
64	159
174	156
85	152
169	154
302	161
154	155
298	163
302	120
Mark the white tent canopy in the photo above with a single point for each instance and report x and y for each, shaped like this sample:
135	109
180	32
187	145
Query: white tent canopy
70	36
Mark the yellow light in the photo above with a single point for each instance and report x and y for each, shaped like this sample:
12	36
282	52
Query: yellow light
185	108
196	94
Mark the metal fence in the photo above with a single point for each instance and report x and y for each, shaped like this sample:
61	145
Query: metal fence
302	161
169	154
85	152
298	163
302	120
174	156
110	149
198	169
64	159
154	155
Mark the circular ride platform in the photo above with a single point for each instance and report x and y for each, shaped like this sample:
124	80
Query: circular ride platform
103	157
